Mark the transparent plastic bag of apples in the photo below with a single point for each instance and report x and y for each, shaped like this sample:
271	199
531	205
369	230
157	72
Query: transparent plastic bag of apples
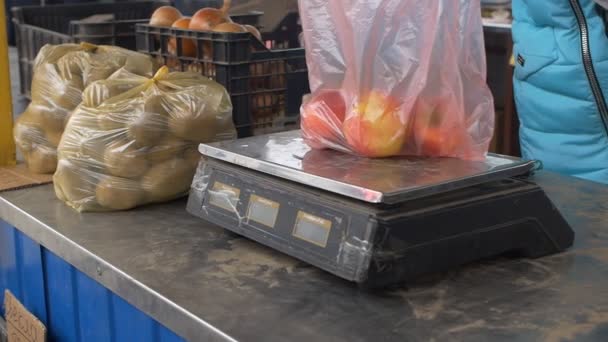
396	77
134	140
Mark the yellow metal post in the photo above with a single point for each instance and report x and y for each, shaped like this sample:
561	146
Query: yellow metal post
7	144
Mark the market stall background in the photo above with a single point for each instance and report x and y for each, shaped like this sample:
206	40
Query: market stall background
188	279
498	48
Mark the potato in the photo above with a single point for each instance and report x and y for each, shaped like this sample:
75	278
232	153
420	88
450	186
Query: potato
192	155
131	140
168	180
70	149
197	127
156	104
226	129
74	61
140	64
93	148
95	94
44	84
76	82
99	92
147	129
264	105
74	182
97	72
123	159
198	113
119	193
42	160
68	94
111	121
84	118
94	97
166	149
82	138
28	137
53	137
50	118
72	64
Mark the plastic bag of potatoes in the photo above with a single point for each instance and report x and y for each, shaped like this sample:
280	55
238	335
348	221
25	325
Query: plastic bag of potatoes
134	140
61	72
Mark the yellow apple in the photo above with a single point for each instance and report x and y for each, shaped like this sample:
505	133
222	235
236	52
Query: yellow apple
374	128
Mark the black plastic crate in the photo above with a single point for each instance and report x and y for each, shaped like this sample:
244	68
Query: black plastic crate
36	26
266	85
122	32
286	34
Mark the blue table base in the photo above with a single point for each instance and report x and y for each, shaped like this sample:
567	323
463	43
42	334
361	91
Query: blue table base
73	306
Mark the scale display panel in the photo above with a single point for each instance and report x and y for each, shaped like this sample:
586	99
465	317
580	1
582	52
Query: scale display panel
224	196
263	211
312	229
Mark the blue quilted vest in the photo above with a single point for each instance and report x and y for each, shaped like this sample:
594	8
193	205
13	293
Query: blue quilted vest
561	76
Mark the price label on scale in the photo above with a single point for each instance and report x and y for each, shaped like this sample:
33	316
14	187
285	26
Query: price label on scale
312	229
263	211
224	196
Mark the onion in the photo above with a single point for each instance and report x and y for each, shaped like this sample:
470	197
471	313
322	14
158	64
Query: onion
254	31
165	16
188	47
229	28
264	105
278	70
226	7
207	18
257	80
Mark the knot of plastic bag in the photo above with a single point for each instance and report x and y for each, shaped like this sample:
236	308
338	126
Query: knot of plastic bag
161	73
88	47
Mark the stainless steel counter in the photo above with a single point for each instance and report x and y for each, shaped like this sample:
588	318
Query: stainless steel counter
207	284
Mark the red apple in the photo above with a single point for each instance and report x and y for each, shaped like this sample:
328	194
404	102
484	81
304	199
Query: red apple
435	134
375	129
322	118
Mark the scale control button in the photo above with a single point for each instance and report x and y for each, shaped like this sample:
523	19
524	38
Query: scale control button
224	196
263	211
312	229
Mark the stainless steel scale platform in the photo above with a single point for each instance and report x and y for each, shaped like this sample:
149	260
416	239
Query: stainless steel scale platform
376	222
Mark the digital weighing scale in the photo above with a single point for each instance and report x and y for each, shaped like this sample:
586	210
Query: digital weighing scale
376	222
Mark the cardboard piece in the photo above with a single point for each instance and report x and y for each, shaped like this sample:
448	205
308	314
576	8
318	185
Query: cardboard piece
21	324
19	177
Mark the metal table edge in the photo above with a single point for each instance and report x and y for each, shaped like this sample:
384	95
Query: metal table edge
505	172
150	302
